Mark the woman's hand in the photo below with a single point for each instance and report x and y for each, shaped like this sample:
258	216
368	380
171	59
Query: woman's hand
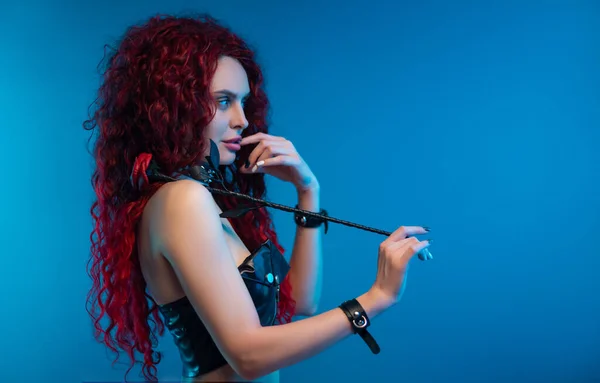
392	264
277	156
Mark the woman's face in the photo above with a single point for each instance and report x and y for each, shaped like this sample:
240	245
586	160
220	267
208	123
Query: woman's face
229	89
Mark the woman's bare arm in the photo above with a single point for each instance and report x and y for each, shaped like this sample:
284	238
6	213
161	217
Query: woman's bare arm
185	221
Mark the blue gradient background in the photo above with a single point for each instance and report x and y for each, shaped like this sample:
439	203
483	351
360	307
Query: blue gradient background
479	119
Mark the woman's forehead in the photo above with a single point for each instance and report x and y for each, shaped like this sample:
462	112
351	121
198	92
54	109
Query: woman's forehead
230	76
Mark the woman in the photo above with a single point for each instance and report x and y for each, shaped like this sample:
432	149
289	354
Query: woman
162	254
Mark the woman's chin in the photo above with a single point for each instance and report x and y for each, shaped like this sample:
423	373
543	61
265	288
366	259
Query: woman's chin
226	157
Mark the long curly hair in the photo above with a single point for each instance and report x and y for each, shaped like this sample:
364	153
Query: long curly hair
155	98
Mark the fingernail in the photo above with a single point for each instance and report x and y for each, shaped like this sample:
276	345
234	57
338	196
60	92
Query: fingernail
430	241
254	168
427	229
247	163
426	254
260	163
421	256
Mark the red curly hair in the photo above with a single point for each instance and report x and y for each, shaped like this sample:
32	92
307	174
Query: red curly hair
155	98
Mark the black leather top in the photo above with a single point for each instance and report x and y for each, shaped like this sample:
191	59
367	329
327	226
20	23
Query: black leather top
262	272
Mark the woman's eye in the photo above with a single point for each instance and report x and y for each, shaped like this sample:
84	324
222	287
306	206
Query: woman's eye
223	102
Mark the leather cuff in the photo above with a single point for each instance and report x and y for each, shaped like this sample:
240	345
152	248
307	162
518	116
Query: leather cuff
360	321
309	221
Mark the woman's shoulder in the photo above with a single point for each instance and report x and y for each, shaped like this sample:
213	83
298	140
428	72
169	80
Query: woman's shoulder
181	192
178	204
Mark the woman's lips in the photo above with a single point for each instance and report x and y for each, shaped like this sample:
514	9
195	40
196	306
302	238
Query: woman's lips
234	147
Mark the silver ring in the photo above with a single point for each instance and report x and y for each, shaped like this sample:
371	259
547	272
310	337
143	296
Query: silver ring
364	322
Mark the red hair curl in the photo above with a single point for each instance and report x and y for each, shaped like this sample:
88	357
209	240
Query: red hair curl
155	98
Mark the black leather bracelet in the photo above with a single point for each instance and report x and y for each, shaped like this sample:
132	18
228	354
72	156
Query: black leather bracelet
360	321
310	221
